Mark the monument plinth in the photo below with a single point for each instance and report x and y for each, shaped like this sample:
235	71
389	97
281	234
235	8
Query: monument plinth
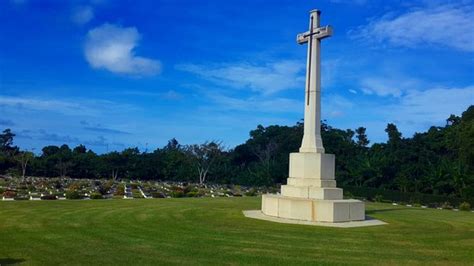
311	193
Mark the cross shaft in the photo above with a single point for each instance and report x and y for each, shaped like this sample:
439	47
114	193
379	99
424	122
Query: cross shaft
312	141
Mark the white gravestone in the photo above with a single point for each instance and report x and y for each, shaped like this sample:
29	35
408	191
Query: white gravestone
311	193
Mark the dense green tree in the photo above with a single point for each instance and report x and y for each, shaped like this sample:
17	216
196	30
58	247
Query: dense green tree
394	136
7	150
362	139
439	161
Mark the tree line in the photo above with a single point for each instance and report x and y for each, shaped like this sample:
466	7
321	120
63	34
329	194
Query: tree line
439	161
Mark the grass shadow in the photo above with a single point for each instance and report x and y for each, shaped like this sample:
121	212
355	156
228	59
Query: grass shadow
10	261
386	210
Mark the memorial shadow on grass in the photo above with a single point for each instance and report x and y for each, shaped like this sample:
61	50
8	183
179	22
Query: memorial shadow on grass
10	261
368	212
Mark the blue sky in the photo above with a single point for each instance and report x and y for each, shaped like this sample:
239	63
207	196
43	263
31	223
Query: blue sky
113	74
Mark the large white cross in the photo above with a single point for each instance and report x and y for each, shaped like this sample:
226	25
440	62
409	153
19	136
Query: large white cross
312	141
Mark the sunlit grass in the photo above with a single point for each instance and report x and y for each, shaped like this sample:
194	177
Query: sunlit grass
214	231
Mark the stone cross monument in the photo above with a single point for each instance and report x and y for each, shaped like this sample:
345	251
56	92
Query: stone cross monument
311	193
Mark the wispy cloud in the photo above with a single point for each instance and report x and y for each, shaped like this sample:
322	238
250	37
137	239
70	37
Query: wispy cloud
257	104
388	86
6	122
111	47
40	104
442	25
431	106
105	130
82	15
336	106
68	106
267	78
54	137
167	95
59	139
414	111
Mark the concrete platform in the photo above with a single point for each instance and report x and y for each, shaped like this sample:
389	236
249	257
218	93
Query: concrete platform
257	214
313	210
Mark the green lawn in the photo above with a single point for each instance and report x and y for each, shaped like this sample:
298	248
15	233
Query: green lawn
214	231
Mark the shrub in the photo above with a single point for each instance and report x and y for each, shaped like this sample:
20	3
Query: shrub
102	189
190	188
348	195
49	197
136	194
177	194
447	206
192	194
73	194
272	190
96	195
237	191
13	172
378	198
21	198
74	186
158	195
9	194
251	193
465	206
411	197
120	191
176	188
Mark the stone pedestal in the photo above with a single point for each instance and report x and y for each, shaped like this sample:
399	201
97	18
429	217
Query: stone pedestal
311	193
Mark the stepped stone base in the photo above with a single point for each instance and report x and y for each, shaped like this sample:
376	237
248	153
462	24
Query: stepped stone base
311	193
331	193
315	210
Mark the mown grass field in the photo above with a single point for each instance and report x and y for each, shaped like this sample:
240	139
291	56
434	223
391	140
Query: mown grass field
214	231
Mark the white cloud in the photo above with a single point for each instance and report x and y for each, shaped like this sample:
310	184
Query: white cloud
167	95
388	86
78	106
335	106
415	111
433	105
330	72
264	78
111	47
446	26
172	95
82	15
